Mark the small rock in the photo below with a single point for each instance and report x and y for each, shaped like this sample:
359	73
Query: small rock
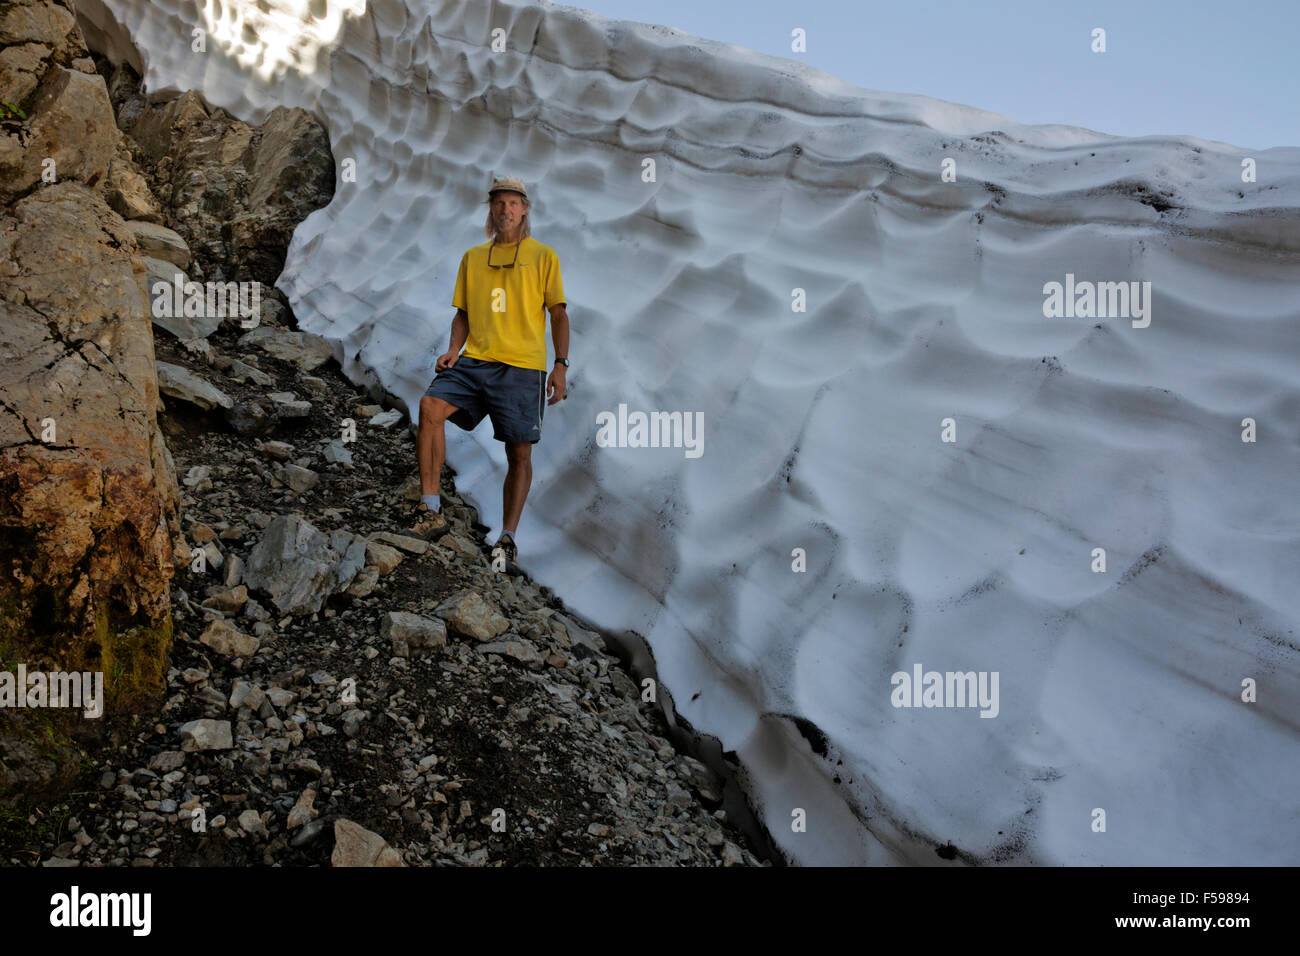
213	554
401	542
300	479
585	643
299	567
228	602
382	557
255	612
159	242
304	349
308	833
306	766
234	571
250	821
523	651
366	580
212	696
337	453
278	450
280	697
167	761
388	419
244	694
206	734
466	612
183	384
302	812
287	405
413	630
461	545
197	479
224	638
243	372
354	845
249	419
352	721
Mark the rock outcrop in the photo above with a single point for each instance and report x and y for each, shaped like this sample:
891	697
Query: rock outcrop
235	192
89	509
67	131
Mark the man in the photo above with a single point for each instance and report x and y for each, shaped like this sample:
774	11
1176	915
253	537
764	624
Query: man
503	290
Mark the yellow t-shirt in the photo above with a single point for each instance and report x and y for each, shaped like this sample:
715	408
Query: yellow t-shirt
507	307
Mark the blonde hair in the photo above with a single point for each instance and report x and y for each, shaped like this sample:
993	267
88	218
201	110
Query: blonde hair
490	229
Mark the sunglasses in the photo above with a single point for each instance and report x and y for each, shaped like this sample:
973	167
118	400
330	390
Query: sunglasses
512	262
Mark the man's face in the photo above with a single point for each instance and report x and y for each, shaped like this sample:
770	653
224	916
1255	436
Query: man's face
507	210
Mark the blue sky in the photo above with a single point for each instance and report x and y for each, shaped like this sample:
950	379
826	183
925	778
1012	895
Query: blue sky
1217	70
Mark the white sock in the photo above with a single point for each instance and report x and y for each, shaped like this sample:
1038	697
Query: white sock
432	502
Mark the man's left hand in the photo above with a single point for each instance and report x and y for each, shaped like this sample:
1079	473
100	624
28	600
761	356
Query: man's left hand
556	384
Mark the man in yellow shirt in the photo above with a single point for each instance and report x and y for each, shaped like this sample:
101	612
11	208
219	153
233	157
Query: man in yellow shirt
503	290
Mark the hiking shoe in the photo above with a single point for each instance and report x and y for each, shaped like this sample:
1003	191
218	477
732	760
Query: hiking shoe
507	549
424	523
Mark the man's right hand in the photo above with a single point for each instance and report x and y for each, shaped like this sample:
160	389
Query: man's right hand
445	361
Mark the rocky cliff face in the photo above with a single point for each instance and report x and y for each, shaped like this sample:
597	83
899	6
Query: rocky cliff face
88	498
234	192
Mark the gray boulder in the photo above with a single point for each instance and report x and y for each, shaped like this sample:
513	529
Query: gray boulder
206	734
303	349
298	567
168	314
467	613
159	242
413	631
183	384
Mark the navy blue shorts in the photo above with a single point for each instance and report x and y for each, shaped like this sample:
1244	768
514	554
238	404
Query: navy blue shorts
513	397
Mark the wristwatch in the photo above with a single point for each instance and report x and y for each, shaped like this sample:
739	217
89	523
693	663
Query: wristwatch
562	361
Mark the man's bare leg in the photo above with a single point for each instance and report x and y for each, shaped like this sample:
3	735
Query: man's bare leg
431	443
519	476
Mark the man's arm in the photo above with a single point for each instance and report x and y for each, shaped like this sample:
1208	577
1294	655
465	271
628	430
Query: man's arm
459	331
556	384
559	331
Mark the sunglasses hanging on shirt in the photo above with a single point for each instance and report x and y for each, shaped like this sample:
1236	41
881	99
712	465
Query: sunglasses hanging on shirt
512	262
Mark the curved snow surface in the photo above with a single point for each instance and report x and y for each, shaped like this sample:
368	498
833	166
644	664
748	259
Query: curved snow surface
1118	690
